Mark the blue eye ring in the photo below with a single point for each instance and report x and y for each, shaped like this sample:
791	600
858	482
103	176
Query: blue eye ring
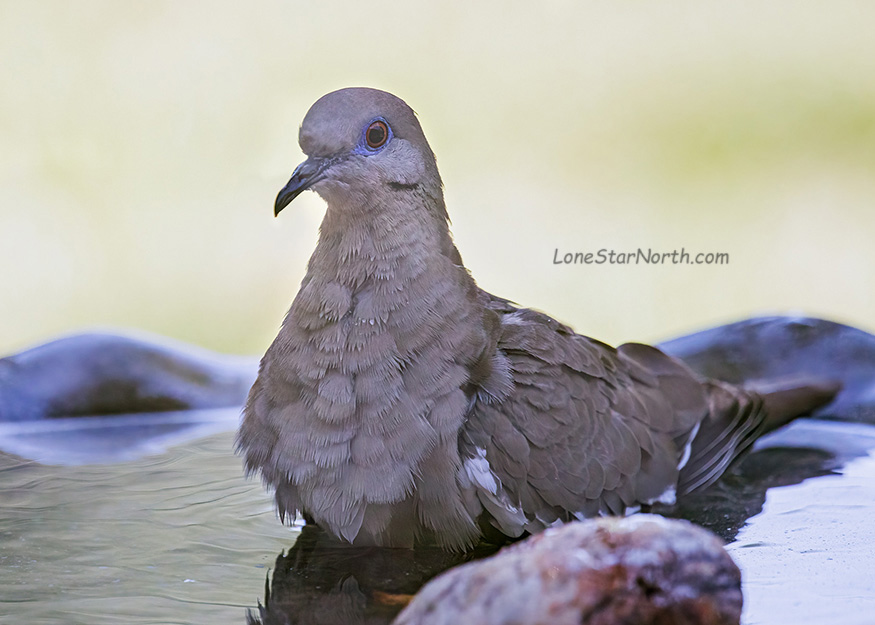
375	136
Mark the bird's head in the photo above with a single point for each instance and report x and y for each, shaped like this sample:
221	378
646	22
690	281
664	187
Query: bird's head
359	141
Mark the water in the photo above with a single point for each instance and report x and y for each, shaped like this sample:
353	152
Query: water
807	559
180	536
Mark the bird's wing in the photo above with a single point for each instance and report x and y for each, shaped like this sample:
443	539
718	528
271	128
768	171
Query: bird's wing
585	429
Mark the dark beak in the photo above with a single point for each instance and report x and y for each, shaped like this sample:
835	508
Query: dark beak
305	176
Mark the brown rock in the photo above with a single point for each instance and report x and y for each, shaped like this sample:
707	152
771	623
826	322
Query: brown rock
639	570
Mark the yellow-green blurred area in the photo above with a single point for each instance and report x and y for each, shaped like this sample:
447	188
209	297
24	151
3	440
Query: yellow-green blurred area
142	145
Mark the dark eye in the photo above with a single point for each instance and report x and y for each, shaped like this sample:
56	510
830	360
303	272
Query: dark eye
377	134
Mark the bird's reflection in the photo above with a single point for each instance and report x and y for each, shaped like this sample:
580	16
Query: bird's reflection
725	507
321	581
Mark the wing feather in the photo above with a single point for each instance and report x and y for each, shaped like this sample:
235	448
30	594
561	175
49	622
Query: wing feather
586	428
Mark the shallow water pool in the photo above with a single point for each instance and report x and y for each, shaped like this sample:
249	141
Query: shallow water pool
180	536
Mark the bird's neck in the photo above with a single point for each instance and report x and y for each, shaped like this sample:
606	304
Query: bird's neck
390	245
392	268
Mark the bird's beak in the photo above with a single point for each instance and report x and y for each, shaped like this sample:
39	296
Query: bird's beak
305	176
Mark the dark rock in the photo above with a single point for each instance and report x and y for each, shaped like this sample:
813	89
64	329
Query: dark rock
760	351
102	374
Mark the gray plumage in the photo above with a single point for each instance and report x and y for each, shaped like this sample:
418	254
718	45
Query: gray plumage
400	403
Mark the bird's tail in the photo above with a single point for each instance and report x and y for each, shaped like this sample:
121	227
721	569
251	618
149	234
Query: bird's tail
737	419
787	399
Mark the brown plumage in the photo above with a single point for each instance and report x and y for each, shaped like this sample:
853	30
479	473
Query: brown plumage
401	403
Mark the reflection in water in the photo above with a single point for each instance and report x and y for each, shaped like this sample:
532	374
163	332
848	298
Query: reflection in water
321	581
725	507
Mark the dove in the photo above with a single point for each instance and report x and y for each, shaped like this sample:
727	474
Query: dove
402	405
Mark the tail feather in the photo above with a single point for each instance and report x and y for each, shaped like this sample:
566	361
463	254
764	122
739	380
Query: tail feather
740	415
788	400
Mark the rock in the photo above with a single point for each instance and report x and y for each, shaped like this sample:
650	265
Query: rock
637	570
102	373
761	351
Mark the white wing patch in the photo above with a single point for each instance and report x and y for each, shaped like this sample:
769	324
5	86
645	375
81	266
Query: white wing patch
478	472
685	458
506	516
513	319
668	497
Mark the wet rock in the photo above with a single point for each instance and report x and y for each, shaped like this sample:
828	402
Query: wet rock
638	570
104	374
763	351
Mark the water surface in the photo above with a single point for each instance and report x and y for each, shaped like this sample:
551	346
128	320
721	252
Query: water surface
180	536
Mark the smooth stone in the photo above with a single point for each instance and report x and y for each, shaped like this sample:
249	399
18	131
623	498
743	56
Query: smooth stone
761	350
642	569
112	374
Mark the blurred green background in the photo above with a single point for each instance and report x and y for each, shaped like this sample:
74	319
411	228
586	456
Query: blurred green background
142	145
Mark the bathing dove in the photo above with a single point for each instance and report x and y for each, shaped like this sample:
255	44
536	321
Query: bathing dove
401	404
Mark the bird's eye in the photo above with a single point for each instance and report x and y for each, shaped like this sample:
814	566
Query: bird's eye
377	134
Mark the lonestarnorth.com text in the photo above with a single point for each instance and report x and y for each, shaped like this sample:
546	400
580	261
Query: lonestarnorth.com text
640	257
